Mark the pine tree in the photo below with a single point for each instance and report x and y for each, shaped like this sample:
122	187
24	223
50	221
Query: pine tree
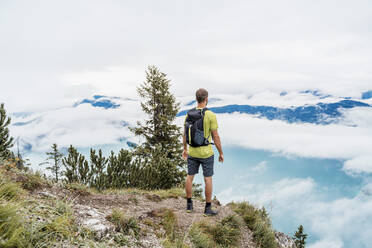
98	167
300	237
55	167
84	172
6	142
159	171
119	168
159	131
76	167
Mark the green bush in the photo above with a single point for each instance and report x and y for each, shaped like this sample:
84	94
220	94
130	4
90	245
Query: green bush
199	238
257	220
225	233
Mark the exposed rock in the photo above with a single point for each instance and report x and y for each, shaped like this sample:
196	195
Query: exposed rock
94	220
284	240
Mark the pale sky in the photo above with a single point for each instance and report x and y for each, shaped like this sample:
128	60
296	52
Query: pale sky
54	52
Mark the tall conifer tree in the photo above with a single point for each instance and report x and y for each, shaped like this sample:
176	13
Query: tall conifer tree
159	131
6	141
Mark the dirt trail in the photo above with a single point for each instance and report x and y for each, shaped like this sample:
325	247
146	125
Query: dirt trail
91	211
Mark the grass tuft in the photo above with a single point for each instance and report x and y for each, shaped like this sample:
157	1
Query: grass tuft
123	223
31	181
225	233
199	238
80	189
10	226
9	190
259	222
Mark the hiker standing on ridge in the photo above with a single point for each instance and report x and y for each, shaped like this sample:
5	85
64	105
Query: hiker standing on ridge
200	125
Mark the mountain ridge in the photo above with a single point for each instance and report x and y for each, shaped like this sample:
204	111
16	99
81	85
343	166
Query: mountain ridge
78	216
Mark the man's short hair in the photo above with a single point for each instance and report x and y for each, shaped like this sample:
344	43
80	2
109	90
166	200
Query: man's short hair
201	95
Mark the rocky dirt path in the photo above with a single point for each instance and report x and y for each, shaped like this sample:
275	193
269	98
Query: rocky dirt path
91	211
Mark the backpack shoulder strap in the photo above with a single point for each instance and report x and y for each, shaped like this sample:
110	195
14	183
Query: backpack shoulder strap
204	109
193	109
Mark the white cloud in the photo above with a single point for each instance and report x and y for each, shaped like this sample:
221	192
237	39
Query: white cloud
333	223
110	80
260	167
286	190
358	165
337	141
327	243
226	47
82	126
350	140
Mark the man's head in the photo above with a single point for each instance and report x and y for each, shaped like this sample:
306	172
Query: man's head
201	95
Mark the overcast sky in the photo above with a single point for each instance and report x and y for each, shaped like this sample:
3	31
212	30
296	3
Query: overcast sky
53	52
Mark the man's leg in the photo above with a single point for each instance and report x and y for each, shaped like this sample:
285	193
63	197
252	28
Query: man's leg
189	180
208	173
208	189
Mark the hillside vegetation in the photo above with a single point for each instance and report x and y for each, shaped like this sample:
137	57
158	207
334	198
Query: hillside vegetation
134	198
36	212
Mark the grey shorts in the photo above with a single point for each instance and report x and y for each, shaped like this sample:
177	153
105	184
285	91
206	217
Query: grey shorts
193	165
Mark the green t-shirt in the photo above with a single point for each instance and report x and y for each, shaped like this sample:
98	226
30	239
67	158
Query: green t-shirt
210	124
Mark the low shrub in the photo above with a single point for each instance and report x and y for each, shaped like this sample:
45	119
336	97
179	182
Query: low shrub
258	221
225	233
199	238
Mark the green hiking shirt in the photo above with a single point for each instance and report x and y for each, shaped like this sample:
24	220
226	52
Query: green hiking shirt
210	124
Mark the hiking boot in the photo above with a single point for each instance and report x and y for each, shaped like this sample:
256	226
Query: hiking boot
209	212
189	207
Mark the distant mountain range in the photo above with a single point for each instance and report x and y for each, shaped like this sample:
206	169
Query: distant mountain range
321	113
37	128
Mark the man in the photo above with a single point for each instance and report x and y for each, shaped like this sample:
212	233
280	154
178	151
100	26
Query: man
202	155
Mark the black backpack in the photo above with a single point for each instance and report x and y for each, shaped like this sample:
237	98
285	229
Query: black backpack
194	128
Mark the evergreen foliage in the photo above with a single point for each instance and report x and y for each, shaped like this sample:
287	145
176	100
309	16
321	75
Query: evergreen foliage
56	157
97	166
76	167
160	155
6	141
157	170
155	164
119	169
300	237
